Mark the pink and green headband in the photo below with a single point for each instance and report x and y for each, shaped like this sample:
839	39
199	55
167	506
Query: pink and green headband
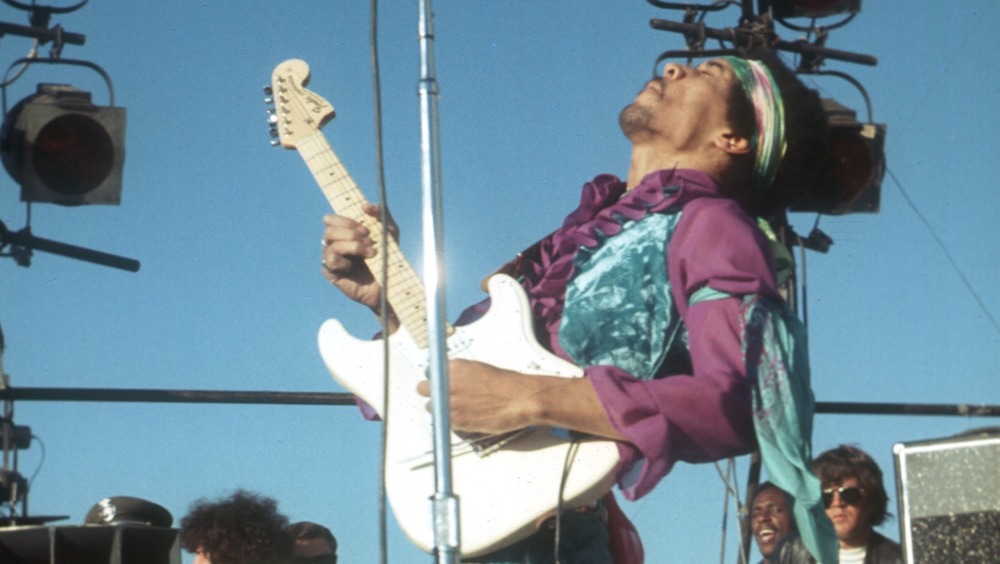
768	143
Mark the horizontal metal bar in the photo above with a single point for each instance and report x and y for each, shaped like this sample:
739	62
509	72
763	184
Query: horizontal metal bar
861	408
329	398
175	396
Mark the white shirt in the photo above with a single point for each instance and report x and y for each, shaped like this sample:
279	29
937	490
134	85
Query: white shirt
852	555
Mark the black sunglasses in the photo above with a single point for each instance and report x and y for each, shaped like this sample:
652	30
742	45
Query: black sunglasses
850	496
321	559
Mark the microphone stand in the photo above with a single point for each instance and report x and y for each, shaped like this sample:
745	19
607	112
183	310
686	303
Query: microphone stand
22	242
444	502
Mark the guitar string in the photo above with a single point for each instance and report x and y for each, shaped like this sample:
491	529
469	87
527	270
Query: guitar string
406	292
383	545
463	447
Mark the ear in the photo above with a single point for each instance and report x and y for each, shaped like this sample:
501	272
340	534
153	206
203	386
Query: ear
732	143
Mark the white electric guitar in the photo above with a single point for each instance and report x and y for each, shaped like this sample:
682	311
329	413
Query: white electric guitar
505	485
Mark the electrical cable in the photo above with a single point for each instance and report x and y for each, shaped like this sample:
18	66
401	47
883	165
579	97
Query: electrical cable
727	478
947	253
383	304
804	284
41	461
725	509
567	463
32	54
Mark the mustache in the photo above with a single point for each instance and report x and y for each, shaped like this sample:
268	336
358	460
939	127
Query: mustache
659	84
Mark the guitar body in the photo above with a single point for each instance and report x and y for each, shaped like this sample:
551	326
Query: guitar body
502	494
503	491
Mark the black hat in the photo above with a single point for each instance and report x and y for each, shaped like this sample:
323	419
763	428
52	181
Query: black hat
124	510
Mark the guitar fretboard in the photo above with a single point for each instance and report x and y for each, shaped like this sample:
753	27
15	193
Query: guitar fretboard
404	292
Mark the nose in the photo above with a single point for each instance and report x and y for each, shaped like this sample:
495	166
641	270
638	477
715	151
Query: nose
762	516
674	71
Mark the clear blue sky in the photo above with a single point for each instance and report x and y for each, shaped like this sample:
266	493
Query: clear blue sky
227	228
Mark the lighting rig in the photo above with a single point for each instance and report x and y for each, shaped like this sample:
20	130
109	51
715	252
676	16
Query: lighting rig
59	145
61	148
856	162
14	486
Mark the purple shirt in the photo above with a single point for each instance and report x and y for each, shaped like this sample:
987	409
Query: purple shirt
695	415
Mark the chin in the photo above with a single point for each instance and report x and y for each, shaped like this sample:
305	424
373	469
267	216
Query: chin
634	119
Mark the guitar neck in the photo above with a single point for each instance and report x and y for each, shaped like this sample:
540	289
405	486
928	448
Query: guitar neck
404	291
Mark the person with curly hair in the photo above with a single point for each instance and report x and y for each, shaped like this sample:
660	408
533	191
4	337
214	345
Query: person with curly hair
244	528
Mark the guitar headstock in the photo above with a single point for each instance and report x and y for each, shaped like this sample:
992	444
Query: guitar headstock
297	113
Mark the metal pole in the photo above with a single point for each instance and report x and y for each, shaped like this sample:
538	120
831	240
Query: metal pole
134	395
445	503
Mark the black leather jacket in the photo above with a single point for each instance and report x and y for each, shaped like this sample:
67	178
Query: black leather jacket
880	550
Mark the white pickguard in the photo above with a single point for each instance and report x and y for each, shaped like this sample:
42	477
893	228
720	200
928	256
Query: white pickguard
501	495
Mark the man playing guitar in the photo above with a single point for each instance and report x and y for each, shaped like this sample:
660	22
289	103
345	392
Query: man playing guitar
650	286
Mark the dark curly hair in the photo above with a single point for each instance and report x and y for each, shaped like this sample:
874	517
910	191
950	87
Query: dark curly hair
244	528
804	164
845	462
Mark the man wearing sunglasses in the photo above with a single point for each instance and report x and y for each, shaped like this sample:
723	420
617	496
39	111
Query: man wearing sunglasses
856	502
314	543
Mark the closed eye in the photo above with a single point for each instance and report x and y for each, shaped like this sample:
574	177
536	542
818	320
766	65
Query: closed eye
714	66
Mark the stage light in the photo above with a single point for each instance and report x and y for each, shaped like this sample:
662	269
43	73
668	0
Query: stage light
784	9
63	149
856	165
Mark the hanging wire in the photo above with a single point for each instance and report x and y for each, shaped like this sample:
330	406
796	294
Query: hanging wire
32	54
725	510
728	476
383	303
947	253
804	283
41	462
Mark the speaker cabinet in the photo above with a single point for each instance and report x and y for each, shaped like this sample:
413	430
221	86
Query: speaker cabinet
949	498
89	544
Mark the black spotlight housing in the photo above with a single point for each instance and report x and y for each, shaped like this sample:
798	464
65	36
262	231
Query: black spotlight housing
64	149
855	166
784	9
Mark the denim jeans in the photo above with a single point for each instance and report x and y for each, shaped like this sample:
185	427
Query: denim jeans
583	540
